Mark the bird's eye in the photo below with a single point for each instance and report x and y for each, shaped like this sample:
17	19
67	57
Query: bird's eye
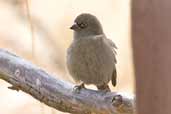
82	25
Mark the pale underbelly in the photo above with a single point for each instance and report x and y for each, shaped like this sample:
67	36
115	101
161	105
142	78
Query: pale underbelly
90	65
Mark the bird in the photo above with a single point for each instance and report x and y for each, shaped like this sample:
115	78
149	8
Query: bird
91	57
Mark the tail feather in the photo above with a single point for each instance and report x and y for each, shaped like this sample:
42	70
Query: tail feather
114	76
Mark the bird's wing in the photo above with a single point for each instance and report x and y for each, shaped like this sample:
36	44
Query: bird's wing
113	46
114	74
111	43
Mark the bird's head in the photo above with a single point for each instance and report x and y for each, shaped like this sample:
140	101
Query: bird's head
85	25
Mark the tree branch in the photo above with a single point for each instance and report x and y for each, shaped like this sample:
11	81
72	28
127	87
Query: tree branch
57	93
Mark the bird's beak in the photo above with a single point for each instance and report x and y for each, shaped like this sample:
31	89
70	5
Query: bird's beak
74	26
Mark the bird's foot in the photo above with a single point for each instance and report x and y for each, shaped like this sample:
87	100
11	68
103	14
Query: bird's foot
104	88
77	88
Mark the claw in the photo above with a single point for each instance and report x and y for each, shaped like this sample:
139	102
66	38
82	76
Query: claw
77	88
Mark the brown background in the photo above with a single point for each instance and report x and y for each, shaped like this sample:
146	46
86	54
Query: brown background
151	34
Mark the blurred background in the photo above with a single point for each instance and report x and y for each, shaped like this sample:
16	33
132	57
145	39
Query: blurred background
38	30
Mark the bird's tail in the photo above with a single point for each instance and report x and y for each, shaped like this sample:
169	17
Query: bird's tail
114	76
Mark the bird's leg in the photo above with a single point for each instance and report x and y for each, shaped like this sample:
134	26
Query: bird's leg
77	88
104	87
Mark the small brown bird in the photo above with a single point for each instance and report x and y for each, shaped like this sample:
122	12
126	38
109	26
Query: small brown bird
91	56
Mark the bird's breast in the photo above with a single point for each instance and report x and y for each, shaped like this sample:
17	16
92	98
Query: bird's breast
90	60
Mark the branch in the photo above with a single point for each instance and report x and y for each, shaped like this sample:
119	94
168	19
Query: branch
57	93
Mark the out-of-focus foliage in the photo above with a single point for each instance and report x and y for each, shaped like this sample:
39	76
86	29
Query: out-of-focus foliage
51	20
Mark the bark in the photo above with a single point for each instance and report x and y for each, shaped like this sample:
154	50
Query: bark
57	93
